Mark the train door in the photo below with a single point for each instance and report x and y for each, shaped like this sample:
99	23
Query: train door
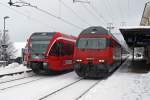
54	58
66	54
116	54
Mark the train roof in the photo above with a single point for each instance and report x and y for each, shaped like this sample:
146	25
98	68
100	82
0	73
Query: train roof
43	33
51	34
94	30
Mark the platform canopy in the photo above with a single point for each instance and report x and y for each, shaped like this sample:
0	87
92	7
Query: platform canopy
136	36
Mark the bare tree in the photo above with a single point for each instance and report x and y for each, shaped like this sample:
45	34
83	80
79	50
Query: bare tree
7	52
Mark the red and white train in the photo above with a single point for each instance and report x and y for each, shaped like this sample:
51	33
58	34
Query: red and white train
49	52
97	53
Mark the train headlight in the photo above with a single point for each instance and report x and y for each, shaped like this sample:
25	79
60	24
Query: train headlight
78	60
102	61
45	64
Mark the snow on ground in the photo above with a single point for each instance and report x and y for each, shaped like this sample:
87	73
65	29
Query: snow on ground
15	76
18	46
122	86
12	68
38	89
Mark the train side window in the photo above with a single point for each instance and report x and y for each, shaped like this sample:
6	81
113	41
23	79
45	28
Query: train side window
66	49
55	50
62	50
111	43
69	49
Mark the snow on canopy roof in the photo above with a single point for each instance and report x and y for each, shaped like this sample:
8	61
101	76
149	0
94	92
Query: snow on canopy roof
135	27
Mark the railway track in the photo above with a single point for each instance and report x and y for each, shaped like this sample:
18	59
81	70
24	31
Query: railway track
69	86
74	86
60	89
16	79
2	87
87	90
9	74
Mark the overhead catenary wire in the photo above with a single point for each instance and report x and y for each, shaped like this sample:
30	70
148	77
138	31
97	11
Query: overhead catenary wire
107	10
120	11
33	19
128	9
134	9
111	9
59	18
96	11
79	17
59	8
49	13
93	13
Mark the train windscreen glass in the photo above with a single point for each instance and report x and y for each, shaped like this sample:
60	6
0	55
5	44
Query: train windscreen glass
40	43
92	43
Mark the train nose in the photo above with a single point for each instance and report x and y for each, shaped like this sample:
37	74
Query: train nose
89	58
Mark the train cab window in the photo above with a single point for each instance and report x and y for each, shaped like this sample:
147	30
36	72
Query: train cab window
62	49
66	49
55	50
69	49
92	43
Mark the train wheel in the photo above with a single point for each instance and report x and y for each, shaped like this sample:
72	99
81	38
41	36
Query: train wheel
79	71
35	68
36	71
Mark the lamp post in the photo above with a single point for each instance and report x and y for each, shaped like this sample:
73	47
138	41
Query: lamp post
4	39
4	31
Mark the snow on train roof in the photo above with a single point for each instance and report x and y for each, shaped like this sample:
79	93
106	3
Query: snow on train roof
95	30
43	33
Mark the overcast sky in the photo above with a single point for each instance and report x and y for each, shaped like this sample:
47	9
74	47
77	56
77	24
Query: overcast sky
25	20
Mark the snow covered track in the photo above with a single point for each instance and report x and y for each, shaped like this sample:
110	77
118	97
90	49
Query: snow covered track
76	90
73	91
15	79
87	90
16	83
53	87
20	72
55	92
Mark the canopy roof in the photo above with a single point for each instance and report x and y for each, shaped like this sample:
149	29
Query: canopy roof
136	36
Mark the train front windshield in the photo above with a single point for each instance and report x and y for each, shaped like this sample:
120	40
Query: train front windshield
40	43
92	43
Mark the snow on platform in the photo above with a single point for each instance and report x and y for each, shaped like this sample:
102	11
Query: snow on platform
18	46
122	86
12	68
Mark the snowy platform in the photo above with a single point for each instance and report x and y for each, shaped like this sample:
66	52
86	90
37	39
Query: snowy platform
13	68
